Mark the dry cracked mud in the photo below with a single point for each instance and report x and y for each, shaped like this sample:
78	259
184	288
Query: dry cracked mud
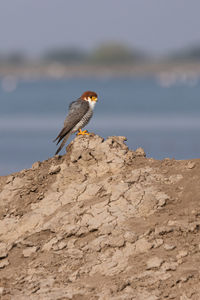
101	222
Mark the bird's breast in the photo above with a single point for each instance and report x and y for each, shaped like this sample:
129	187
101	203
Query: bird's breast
83	122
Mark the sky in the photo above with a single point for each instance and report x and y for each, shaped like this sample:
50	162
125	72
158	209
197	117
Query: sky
154	26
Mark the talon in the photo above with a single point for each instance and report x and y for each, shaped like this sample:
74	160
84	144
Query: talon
85	132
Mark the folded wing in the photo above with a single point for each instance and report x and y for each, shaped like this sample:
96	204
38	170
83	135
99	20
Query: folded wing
77	110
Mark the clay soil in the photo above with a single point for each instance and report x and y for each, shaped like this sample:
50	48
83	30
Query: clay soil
101	222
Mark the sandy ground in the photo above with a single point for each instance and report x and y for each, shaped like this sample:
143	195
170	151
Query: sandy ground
101	222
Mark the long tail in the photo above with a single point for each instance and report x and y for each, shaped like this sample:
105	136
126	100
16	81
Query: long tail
63	142
61	135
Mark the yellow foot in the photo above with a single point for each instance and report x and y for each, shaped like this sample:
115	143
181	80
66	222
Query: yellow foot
83	132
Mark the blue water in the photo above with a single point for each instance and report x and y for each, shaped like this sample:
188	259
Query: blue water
165	121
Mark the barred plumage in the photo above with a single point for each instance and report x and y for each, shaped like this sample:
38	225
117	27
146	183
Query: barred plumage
84	121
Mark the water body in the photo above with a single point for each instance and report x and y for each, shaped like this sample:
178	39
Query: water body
164	120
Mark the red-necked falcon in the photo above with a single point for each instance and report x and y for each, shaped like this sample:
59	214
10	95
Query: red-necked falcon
80	113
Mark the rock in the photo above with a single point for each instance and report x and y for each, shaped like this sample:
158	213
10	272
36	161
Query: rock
3	250
163	230
54	169
162	198
10	179
116	241
29	251
119	190
133	177
142	245
172	223
4	263
169	266
48	246
1	290
140	152
36	165
154	262
193	226
184	297
191	165
175	178
181	254
169	247
157	243
62	245
131	237
102	227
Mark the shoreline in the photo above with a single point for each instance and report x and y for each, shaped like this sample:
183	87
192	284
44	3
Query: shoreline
57	70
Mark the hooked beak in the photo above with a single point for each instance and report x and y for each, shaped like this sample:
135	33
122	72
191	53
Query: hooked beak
94	99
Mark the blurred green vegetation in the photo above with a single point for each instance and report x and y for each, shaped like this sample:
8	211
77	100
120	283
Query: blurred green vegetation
71	55
110	53
115	54
187	54
15	58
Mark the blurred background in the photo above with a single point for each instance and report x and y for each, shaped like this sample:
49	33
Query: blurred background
141	57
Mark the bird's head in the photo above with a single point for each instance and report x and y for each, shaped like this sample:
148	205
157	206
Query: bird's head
90	96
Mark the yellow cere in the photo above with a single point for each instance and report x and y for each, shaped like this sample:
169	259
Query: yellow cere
94	98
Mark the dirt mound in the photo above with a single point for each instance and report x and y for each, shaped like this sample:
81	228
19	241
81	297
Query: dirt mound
101	222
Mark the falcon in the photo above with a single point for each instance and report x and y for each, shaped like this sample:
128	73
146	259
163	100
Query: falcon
80	113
